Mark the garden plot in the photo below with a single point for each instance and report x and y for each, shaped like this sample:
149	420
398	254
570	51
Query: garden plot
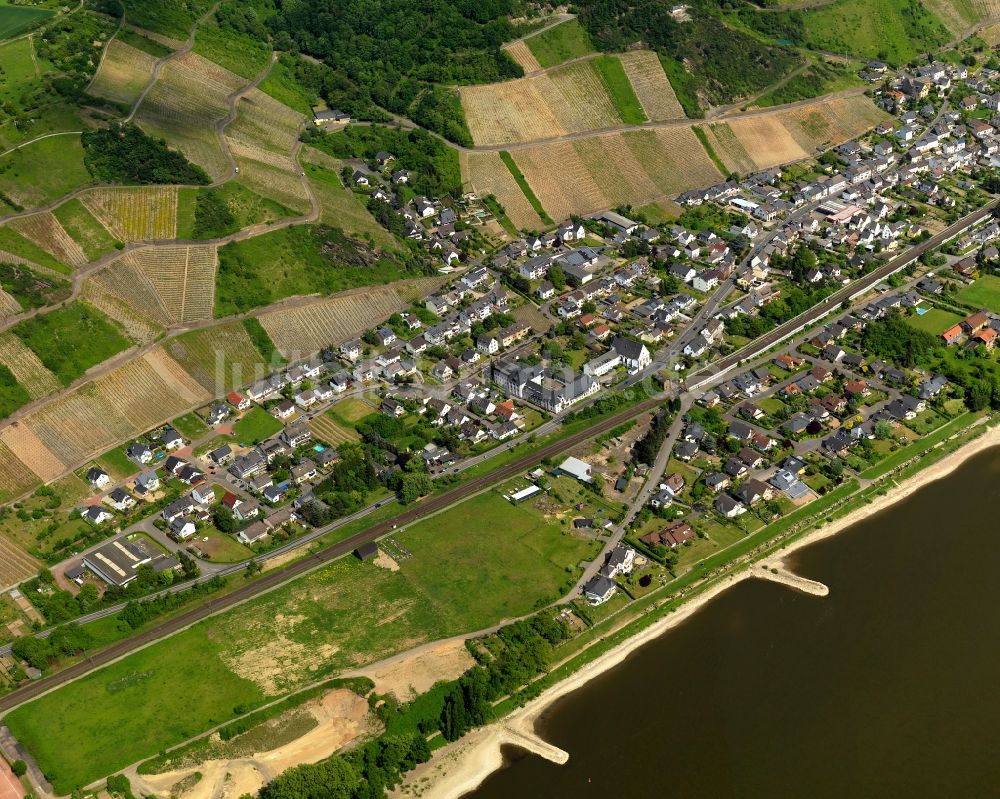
645	73
123	74
184	105
564	191
220	358
564	100
29	371
728	148
301	331
46	231
148	213
182	277
522	54
27	447
487	174
15	476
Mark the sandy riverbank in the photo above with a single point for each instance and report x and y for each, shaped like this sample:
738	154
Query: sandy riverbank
460	767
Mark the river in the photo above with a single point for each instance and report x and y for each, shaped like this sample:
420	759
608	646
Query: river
886	688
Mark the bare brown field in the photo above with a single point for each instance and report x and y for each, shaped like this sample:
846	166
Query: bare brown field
26	367
29	449
182	277
645	73
487	174
146	213
563	100
729	149
15	476
8	305
831	123
123	74
522	54
300	331
44	230
102	291
184	105
766	140
16	565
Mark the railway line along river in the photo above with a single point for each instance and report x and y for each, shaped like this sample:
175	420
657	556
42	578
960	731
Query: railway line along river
886	687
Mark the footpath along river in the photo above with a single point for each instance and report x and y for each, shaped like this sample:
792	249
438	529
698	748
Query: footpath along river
887	688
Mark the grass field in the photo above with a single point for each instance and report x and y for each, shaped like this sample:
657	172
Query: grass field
123	74
248	208
70	340
351	410
90	234
340	206
984	293
43	171
935	321
18	74
116	463
560	43
615	80
143	43
282	85
239	53
15	20
255	426
173	18
340	617
190	425
893	30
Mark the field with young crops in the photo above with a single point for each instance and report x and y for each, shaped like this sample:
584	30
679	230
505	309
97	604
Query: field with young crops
29	371
326	429
563	100
486	173
299	332
123	74
220	357
15	476
183	279
45	230
522	54
123	293
93	238
603	171
184	105
9	306
645	73
145	213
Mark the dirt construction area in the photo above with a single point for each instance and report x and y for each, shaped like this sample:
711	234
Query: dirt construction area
416	672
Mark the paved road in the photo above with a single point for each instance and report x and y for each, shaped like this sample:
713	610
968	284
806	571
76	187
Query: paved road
272	580
857	287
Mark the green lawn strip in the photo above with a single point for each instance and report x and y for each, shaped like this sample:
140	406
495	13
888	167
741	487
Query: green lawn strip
935	321
255	426
13	242
116	463
70	340
685	86
262	341
16	19
902	455
561	43
523	183
190	425
612	74
984	293
12	394
703	138
144	43
81	225
186	198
